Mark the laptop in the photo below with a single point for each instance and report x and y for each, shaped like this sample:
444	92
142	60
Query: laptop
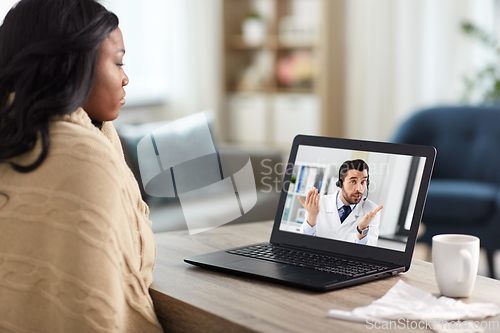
330	254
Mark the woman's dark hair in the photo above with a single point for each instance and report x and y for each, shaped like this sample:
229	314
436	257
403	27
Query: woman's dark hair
48	57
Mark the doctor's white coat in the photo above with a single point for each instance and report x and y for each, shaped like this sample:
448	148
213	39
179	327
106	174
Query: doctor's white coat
328	222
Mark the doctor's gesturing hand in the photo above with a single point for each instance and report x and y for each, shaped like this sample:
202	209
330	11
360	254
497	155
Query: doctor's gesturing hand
365	221
312	206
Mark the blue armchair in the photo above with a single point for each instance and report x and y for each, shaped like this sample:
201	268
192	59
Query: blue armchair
464	193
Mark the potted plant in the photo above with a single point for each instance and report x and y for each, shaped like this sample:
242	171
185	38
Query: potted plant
486	82
254	28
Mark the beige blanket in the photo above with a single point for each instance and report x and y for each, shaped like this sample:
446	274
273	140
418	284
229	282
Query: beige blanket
76	246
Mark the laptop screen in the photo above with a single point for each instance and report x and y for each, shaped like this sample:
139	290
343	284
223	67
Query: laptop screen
348	188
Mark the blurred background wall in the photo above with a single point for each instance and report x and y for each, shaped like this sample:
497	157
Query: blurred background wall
271	69
352	68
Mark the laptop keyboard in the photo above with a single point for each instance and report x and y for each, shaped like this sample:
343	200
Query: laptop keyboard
307	259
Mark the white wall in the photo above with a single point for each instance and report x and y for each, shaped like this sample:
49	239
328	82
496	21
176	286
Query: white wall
144	26
173	53
5	6
403	55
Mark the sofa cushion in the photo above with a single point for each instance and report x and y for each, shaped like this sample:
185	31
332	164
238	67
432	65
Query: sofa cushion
466	139
459	202
130	135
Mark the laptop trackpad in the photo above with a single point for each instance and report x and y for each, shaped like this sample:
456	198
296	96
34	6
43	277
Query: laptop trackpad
254	265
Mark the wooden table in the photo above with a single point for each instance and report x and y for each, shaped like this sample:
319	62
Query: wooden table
193	299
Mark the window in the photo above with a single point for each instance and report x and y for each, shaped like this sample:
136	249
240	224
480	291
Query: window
145	28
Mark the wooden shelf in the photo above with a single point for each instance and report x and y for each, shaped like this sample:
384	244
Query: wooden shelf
272	90
291	52
270	42
238	42
292	90
264	90
296	45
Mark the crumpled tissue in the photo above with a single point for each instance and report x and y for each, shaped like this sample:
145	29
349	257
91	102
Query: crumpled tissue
405	301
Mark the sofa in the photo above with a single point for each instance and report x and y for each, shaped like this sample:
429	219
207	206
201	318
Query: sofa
464	193
167	214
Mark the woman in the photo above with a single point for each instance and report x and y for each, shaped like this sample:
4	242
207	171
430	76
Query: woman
76	246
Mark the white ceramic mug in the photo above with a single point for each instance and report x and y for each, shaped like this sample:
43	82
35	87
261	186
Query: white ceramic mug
456	259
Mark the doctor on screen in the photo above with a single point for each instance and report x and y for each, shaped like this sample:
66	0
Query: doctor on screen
344	215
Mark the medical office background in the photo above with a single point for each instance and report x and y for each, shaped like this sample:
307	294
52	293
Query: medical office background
269	69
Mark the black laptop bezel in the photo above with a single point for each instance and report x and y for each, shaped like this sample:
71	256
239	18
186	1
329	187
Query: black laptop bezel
286	238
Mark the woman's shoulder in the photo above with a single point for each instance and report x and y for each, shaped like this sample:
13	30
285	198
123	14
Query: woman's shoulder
71	137
74	136
81	153
76	125
82	162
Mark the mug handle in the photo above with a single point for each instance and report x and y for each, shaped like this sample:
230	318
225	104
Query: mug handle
467	266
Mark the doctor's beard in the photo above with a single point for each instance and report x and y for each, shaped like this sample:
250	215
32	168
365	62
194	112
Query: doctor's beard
352	198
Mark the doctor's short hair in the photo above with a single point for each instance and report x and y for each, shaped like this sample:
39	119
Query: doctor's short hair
358	164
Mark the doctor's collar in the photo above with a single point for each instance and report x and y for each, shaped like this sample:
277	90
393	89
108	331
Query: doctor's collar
339	203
